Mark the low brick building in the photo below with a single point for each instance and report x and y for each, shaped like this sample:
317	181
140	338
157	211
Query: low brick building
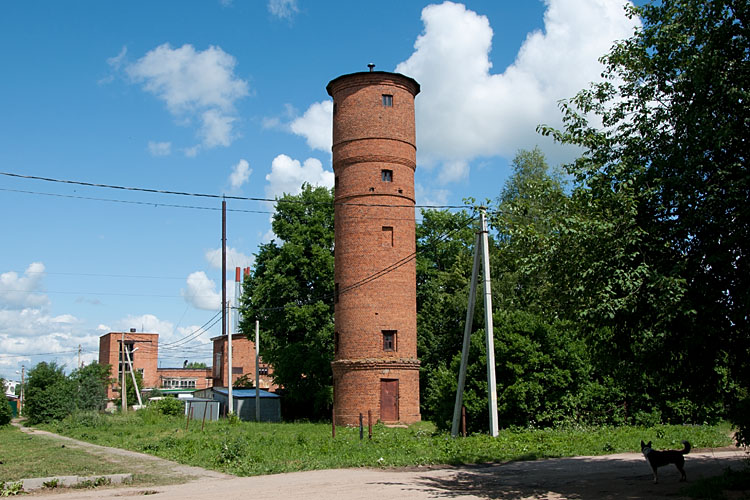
143	349
243	362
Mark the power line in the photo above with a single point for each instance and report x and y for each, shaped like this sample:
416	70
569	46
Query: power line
145	203
215	196
378	274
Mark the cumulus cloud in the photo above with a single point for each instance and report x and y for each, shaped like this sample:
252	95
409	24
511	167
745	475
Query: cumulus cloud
159	148
283	9
315	125
235	258
147	323
194	85
240	174
465	111
200	292
287	175
19	292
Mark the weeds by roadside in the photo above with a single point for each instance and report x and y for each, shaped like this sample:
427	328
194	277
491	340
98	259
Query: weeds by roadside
715	488
249	448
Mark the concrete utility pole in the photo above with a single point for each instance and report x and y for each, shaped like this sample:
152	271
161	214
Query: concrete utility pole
132	374
123	378
257	371
481	254
23	373
231	368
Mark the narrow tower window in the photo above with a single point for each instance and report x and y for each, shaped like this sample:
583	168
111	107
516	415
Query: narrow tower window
389	340
388	100
386	175
387	236
335	293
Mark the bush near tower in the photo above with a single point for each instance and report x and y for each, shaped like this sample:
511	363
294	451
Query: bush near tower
290	291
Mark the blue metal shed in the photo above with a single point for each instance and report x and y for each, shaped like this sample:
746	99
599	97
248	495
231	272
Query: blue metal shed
244	403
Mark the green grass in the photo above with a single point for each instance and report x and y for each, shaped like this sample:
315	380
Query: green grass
715	488
249	448
25	456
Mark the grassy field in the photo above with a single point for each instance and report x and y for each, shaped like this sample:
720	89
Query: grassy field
25	456
248	448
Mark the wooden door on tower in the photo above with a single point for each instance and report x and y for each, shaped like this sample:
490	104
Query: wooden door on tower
389	400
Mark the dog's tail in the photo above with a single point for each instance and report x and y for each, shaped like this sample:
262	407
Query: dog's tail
686	449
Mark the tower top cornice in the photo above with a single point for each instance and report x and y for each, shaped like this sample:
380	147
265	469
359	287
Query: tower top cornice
367	78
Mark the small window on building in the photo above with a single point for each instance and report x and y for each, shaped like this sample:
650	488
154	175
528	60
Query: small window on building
389	340
335	108
335	342
387	236
335	293
388	100
386	175
336	182
263	370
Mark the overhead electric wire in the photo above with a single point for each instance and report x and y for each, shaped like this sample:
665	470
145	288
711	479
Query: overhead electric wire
146	203
216	196
386	270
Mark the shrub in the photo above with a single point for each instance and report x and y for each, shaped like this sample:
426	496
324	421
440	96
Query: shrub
169	406
5	412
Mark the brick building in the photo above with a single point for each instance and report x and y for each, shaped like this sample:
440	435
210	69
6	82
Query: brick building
375	364
243	362
143	349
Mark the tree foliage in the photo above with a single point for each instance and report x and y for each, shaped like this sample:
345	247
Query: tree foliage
669	168
53	395
91	386
49	393
290	291
6	413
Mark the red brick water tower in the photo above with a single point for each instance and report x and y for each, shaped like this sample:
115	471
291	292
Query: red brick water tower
375	365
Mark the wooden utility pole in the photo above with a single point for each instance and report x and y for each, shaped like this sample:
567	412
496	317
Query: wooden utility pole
481	257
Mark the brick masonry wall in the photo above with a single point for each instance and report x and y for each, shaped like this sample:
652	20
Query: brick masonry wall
243	361
145	358
368	138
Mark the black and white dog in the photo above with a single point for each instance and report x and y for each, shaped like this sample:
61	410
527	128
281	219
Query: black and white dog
658	459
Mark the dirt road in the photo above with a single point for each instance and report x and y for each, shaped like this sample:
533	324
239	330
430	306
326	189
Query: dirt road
585	478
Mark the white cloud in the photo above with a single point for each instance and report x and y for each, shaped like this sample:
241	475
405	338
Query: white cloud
194	84
216	129
431	196
287	175
316	125
24	291
235	258
465	111
283	9
146	323
116	61
201	292
159	148
240	174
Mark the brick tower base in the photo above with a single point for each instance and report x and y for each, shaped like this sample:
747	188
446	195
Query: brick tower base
362	385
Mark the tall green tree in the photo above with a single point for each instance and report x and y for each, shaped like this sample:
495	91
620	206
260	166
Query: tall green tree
290	291
90	384
49	393
672	156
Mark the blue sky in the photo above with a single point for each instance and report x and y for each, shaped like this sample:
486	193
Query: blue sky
228	97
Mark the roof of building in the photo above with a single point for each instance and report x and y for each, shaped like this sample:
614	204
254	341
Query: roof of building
245	393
